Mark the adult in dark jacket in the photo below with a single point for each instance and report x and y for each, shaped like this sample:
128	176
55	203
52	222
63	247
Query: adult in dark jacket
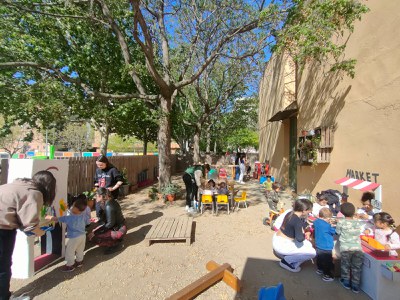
192	179
20	205
111	223
107	176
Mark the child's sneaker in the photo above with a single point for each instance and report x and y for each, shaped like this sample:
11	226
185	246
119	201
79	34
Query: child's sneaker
78	264
355	289
67	268
345	283
284	264
319	272
327	278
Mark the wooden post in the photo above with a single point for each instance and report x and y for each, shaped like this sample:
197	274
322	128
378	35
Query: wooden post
228	278
201	284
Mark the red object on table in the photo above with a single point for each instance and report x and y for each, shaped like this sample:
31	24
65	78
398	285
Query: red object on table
376	255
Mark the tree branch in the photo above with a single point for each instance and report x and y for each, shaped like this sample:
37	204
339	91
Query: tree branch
147	46
88	91
51	14
123	45
231	33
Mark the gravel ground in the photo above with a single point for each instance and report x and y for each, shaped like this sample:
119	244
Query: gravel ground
158	271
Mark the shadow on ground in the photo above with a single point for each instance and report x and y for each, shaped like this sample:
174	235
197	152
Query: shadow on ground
305	285
93	256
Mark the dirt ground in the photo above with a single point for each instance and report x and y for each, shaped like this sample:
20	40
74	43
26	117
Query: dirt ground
160	270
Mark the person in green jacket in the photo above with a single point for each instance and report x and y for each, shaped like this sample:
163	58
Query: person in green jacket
192	180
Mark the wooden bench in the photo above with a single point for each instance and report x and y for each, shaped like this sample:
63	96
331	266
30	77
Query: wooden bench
171	229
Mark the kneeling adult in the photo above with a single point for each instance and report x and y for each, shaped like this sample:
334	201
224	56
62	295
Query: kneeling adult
112	227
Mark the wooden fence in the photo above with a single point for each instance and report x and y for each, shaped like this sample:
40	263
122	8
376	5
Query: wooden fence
140	170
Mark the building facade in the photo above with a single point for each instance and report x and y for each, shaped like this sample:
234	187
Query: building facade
354	121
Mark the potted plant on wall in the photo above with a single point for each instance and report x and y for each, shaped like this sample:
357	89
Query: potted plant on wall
170	190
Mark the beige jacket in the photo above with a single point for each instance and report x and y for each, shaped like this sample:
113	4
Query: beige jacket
20	205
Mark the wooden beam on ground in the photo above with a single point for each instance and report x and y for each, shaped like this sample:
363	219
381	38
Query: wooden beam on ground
228	278
201	284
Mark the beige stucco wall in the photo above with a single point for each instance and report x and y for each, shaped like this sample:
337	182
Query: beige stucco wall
277	91
365	111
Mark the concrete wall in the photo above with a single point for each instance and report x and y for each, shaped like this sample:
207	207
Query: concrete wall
364	111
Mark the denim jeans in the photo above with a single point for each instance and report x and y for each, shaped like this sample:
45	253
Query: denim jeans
7	243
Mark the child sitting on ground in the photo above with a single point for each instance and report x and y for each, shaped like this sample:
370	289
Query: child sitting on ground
351	252
322	202
324	233
384	233
76	223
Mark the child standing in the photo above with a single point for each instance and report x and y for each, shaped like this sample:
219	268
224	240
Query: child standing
351	253
76	223
274	196
268	186
324	233
384	233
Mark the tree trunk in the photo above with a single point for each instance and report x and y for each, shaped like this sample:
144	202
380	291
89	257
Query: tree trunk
164	142
104	134
208	142
145	145
196	146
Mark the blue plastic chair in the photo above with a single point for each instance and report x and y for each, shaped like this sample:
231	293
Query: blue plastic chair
272	293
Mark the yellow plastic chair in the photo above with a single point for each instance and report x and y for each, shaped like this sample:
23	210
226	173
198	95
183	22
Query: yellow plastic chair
222	200
206	200
240	199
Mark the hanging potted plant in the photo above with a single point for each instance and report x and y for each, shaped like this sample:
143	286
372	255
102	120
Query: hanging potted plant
170	190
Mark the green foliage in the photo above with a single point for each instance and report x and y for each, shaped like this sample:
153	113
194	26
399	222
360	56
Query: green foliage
124	174
15	138
118	143
316	29
153	193
76	137
90	195
170	189
243	138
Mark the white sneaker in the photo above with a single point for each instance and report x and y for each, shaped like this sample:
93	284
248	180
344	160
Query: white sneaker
190	210
187	208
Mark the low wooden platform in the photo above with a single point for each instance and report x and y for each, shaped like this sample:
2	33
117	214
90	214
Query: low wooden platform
171	229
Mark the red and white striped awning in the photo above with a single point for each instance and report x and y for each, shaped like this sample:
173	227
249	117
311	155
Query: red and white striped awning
357	184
